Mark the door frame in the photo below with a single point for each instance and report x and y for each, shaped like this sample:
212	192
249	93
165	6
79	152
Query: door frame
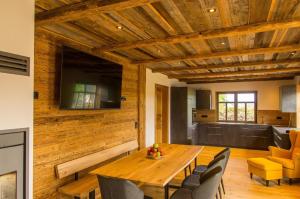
165	113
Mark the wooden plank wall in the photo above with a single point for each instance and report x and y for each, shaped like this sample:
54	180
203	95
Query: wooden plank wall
62	135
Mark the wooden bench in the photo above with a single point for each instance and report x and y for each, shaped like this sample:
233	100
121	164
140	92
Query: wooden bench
86	185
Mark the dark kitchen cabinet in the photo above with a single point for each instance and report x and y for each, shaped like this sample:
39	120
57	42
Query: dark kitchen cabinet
183	100
203	99
250	136
256	136
281	137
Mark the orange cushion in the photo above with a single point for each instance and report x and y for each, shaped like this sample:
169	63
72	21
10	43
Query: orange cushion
264	164
296	152
287	163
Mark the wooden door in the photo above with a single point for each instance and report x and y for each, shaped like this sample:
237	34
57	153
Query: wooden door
161	114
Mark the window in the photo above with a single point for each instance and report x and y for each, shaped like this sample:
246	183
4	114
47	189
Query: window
236	106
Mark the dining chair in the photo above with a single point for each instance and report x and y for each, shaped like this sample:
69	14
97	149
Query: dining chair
201	168
206	190
194	180
112	188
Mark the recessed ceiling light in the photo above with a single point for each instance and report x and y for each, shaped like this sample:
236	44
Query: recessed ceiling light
223	43
119	27
211	10
293	53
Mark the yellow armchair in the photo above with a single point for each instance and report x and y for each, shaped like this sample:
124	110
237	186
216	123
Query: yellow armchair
290	159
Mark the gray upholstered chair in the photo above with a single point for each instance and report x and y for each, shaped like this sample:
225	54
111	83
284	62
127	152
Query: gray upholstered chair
206	190
194	180
201	168
112	188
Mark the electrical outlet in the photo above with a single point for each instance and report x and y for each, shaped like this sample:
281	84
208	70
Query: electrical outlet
35	95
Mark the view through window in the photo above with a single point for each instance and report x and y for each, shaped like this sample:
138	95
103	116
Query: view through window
236	106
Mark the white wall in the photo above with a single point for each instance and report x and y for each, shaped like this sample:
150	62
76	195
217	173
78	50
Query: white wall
16	92
267	91
151	80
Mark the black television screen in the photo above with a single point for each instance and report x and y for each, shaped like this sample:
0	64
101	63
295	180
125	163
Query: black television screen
89	82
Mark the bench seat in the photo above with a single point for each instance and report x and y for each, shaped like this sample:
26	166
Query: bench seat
87	185
80	187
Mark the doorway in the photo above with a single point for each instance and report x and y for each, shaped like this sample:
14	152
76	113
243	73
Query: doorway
161	114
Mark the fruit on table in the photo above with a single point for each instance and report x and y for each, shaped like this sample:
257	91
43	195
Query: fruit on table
155	151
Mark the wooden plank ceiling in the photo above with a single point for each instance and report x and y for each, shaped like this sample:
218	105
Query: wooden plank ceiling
195	41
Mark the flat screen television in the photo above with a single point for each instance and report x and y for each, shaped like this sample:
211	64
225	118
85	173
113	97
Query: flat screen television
89	82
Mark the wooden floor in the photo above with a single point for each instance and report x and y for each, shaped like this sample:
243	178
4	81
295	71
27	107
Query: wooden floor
237	181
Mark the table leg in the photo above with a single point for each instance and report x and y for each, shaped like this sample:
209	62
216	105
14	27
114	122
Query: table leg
167	191
92	195
195	162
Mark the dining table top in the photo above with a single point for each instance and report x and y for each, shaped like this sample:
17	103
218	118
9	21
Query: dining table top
138	168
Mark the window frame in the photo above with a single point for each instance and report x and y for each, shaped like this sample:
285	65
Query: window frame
235	102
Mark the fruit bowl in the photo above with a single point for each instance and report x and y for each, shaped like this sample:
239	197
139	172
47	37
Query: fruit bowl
155	152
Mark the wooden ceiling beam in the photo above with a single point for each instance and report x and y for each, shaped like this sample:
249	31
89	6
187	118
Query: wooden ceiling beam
241	80
236	73
210	34
159	19
79	10
240	77
73	43
227	65
251	51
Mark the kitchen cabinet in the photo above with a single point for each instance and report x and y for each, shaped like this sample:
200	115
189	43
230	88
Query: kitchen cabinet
281	137
288	98
203	100
183	101
250	136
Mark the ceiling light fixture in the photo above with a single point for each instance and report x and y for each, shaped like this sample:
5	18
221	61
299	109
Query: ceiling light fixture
211	10
293	53
119	27
223	43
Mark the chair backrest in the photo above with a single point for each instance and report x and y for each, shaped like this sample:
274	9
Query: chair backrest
226	153
295	142
217	162
222	152
209	186
112	188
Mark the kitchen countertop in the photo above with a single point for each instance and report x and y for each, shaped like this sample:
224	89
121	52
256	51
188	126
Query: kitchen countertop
278	127
284	130
231	123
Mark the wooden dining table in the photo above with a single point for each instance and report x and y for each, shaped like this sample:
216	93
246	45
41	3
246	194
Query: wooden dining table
138	168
